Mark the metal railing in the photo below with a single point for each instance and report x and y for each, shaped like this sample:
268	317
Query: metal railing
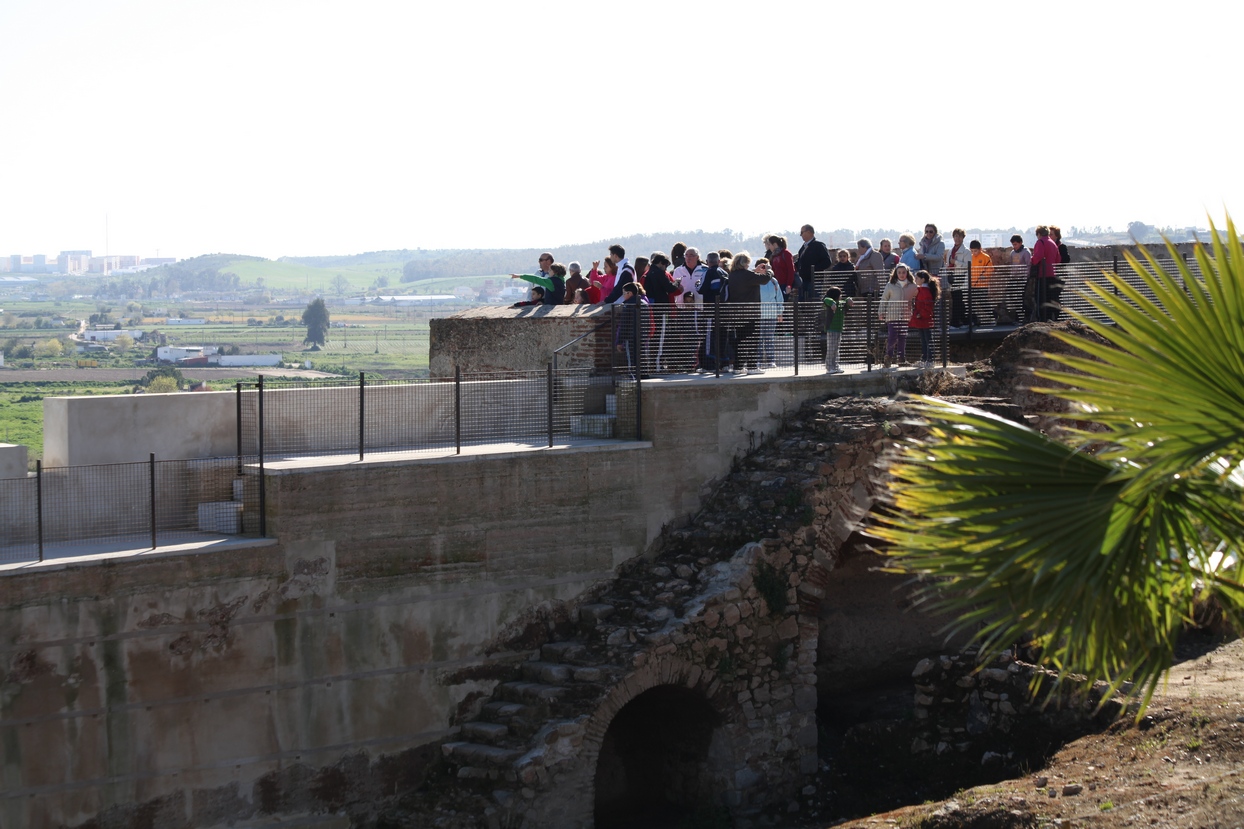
283	418
1008	296
60	512
779	338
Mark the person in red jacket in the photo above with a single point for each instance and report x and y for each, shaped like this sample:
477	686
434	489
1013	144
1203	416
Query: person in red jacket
782	263
922	315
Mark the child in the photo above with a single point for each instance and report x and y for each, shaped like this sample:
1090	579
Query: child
981	293
634	301
922	315
537	298
895	311
833	326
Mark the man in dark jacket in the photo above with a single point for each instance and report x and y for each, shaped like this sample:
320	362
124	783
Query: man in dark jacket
813	256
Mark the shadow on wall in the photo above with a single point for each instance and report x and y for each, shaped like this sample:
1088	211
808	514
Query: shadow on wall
662	761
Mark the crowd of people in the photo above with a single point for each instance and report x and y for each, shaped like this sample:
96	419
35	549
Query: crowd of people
906	287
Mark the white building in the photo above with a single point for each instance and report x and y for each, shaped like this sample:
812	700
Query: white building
108	335
173	353
181	321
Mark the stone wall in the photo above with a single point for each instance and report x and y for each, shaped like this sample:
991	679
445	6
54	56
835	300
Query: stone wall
216	686
517	339
965	706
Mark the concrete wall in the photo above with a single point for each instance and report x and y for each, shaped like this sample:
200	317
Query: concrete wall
13	460
126	427
216	685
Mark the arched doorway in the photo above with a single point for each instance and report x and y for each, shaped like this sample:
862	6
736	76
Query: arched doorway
658	761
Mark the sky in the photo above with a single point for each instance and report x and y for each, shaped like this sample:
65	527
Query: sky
297	127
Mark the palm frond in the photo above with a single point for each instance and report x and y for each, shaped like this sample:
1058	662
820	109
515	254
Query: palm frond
1102	551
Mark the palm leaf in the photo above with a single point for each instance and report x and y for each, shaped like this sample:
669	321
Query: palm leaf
1100	550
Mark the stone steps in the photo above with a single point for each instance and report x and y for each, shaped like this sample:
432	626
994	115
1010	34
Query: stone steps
479	754
547	673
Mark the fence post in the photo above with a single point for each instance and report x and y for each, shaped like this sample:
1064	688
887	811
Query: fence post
868	344
263	486
635	339
457	410
239	424
971	312
151	478
362	385
39	504
795	338
550	403
1116	273
716	338
639	373
613	346
945	330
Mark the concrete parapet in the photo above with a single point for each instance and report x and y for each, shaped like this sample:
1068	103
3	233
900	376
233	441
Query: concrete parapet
13	460
124	428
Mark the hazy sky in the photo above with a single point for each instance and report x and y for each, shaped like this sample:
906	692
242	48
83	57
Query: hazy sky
295	127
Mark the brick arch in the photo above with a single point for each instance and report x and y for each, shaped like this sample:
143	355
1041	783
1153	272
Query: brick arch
662	671
666	672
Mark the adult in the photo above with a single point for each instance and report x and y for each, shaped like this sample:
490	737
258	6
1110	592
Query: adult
782	264
932	252
1020	260
714	288
907	253
691	327
677	252
870	268
771	306
662	290
1044	258
553	280
743	303
575	281
813	256
1064	256
957	260
888	257
604	280
843	270
624	272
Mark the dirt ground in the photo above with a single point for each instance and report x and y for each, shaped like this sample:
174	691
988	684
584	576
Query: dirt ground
105	375
1181	767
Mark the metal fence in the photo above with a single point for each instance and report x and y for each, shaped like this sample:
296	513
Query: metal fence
55	512
60	512
1008	295
690	335
758	338
297	418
